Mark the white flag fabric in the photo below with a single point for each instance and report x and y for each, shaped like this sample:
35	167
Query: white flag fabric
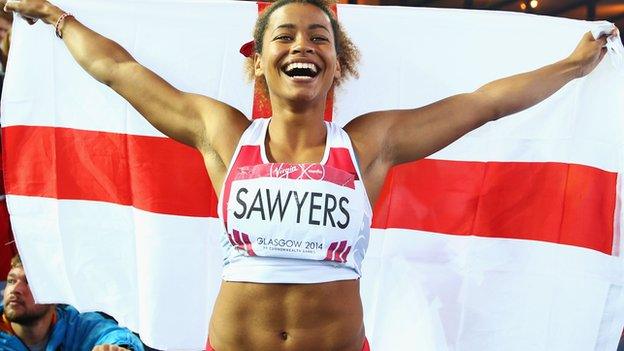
508	239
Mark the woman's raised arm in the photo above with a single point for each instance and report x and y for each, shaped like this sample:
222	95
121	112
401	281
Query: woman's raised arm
386	138
192	119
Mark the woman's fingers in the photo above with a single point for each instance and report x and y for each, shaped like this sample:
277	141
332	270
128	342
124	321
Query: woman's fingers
589	52
603	40
29	10
614	33
12	5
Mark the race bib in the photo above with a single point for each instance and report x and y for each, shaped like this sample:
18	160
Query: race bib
305	211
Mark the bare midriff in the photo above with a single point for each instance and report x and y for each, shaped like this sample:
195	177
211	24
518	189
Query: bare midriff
288	317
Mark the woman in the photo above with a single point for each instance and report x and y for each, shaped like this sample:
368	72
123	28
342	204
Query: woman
295	192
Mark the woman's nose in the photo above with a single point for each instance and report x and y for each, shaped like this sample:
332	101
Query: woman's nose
302	45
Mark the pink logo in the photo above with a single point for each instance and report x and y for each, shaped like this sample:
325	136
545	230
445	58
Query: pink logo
241	241
338	251
303	171
313	171
285	170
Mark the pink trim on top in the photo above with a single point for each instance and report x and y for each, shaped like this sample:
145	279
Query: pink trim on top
248	155
306	171
340	157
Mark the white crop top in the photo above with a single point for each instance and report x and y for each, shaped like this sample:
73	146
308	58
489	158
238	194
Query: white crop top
293	223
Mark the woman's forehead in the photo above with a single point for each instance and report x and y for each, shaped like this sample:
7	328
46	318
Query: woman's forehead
299	14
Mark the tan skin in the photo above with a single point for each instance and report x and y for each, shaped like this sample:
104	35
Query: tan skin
18	301
327	316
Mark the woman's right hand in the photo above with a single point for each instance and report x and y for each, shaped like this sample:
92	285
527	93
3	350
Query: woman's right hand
589	52
33	10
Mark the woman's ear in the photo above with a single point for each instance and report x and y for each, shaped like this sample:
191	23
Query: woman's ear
257	65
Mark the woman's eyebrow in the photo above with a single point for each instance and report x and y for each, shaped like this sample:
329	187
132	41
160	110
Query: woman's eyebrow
292	26
317	25
285	26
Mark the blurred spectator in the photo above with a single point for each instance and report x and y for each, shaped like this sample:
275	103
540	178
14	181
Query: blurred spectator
5	44
6	21
27	326
7	245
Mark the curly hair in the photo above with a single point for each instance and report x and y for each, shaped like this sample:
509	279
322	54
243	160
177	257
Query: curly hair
16	262
348	54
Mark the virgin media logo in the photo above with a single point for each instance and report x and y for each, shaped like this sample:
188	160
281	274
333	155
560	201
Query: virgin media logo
312	171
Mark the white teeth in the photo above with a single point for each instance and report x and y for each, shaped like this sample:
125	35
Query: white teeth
301	65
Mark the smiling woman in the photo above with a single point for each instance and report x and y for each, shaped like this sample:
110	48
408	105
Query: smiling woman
295	191
296	35
347	52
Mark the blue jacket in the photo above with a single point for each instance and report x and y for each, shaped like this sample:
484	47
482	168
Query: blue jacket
74	331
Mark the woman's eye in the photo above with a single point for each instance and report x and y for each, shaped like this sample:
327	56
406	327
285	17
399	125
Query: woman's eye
319	39
283	37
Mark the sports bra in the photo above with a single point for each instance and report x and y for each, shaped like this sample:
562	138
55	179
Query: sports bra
293	223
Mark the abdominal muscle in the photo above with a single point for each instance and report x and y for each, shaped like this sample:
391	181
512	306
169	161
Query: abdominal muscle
288	317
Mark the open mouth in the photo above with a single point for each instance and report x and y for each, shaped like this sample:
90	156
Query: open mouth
301	70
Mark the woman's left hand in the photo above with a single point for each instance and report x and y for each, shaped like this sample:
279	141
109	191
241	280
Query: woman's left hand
589	52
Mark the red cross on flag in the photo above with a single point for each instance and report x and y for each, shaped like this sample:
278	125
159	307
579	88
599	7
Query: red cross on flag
508	239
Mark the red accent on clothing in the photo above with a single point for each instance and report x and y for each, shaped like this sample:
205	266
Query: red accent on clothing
241	241
330	251
237	239
339	250
343	256
340	157
231	240
247	245
248	49
248	155
306	171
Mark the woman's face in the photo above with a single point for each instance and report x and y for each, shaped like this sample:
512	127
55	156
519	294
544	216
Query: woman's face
298	57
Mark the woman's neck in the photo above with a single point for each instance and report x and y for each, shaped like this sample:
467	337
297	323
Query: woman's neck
296	135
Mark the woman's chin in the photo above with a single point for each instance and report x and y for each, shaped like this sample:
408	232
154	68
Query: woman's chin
306	96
